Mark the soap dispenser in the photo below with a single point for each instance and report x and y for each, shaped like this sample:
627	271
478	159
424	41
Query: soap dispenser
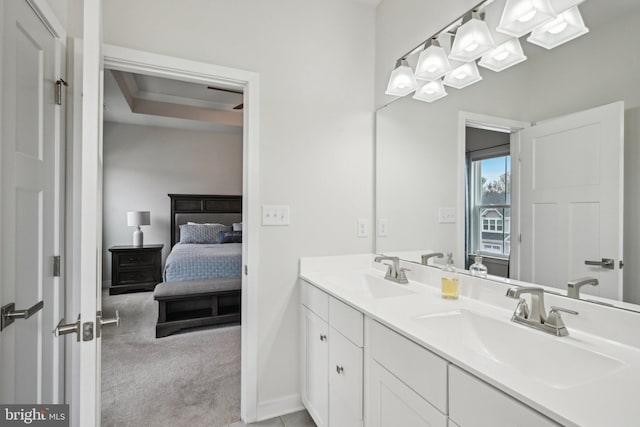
478	269
450	279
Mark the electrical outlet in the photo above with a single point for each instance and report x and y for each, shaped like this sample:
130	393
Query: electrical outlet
447	215
275	215
382	227
363	227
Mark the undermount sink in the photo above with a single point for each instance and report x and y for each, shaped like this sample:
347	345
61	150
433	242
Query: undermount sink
368	285
553	361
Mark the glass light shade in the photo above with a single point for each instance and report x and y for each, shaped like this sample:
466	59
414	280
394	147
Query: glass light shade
473	39
432	63
566	27
402	81
504	56
430	91
463	75
520	17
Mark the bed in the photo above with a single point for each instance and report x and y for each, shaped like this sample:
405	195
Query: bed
202	281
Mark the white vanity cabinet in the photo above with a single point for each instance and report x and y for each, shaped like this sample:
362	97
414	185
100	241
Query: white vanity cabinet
407	384
332	361
474	403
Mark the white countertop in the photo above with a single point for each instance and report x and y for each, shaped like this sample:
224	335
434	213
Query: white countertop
549	379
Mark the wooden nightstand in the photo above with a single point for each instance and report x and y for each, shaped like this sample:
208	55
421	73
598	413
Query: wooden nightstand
135	268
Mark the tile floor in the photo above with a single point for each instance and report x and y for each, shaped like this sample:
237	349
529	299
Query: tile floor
297	419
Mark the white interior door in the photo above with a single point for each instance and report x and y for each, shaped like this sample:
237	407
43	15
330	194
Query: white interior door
85	387
31	359
572	199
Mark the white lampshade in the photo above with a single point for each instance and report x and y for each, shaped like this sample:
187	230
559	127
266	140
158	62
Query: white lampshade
430	91
463	75
432	63
138	218
520	17
402	81
473	39
504	56
566	27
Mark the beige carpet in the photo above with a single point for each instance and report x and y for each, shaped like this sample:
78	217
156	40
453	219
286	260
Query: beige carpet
189	379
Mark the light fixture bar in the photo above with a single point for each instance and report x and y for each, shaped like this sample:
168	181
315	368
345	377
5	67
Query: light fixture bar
443	29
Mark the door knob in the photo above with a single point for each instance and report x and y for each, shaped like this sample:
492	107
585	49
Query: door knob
110	321
69	328
10	314
607	263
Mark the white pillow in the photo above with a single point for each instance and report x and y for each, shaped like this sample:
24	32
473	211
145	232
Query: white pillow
237	226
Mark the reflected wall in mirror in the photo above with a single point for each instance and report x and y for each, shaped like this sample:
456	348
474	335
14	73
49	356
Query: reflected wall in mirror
566	203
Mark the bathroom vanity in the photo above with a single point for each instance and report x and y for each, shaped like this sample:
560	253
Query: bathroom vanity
381	354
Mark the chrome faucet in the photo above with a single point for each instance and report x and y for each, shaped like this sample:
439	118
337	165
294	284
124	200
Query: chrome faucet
536	317
394	272
425	257
573	287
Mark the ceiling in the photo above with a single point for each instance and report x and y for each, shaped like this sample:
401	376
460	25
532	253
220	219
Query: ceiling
156	101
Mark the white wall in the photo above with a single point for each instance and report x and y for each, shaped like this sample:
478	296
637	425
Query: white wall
143	164
316	66
419	141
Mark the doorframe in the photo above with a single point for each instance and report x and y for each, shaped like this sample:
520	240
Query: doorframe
485	121
125	59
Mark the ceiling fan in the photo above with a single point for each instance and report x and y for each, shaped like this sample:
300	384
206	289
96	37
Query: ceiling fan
239	92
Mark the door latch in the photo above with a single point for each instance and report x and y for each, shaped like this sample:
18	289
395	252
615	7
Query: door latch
100	322
10	314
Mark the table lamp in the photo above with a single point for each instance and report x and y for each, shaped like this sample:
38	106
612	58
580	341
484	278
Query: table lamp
136	219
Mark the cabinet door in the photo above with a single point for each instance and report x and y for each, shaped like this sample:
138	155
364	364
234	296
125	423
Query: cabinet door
345	381
391	403
472	402
315	362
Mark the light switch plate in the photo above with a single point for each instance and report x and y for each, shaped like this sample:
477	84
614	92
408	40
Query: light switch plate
363	227
383	224
447	215
275	215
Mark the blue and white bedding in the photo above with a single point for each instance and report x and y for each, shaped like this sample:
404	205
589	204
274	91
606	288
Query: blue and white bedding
191	261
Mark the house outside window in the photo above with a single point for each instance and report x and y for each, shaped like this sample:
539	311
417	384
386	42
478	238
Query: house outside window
490	205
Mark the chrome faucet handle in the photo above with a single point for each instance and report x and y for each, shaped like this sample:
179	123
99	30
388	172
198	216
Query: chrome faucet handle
538	312
554	319
402	276
522	309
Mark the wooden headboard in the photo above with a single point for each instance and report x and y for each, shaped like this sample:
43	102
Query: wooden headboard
203	208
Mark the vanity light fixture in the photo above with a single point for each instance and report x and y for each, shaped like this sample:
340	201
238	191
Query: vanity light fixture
430	91
472	40
462	75
433	62
402	81
504	56
565	27
520	17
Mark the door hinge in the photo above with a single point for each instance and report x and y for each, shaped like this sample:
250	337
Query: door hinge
56	266
58	90
519	238
246	270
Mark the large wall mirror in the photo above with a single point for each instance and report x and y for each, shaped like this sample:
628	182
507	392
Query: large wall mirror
536	167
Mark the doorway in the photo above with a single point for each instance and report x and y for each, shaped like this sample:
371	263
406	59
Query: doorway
166	136
128	60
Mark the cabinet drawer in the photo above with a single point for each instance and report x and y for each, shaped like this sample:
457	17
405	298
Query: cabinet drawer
315	300
345	381
472	402
421	370
136	259
391	403
135	276
348	321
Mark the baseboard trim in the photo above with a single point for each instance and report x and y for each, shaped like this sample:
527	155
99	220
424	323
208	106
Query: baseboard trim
106	284
277	407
